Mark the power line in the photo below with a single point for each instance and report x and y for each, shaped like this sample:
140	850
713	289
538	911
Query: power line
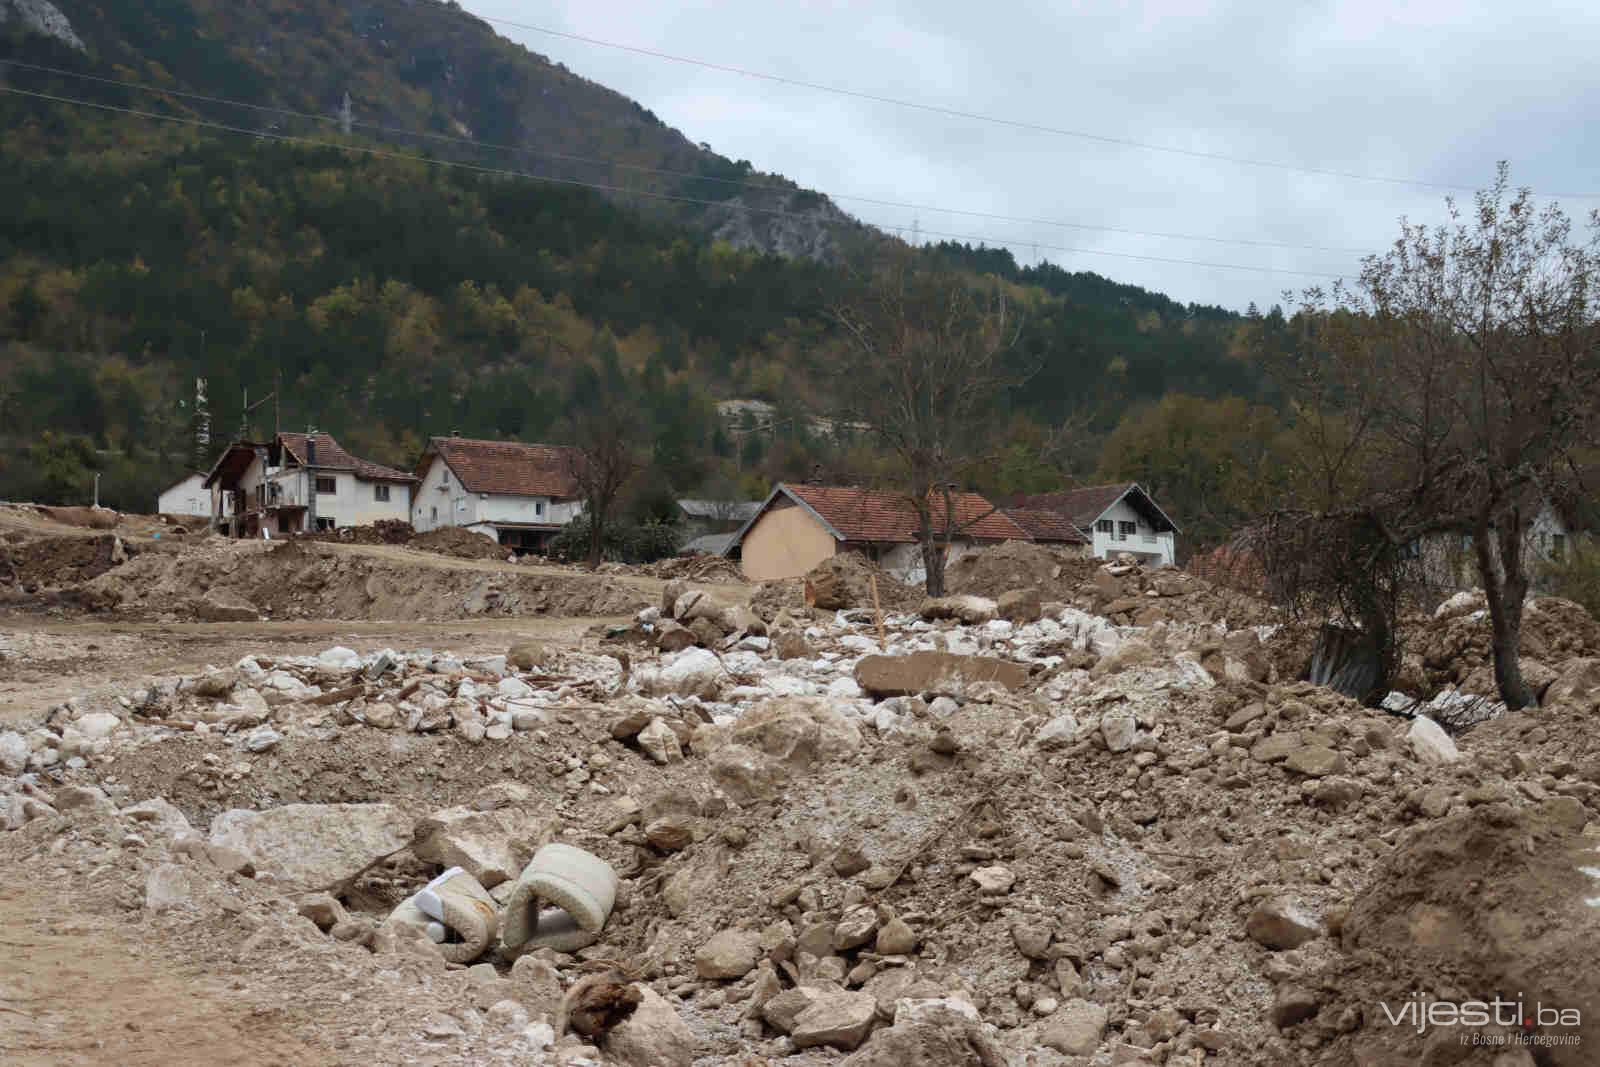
976	116
505	172
688	175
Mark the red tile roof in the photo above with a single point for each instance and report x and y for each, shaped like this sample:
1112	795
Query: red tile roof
1047	526
881	515
1082	506
332	456
508	467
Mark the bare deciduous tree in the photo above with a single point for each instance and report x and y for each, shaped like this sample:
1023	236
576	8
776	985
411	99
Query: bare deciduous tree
1456	381
602	462
925	369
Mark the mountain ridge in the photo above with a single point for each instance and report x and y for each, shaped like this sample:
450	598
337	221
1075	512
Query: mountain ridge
436	72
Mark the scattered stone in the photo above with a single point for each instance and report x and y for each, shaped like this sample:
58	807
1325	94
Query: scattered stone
653	1035
729	954
1293	1005
658	741
993	881
896	938
840	1020
1076	1029
1280	924
1430	744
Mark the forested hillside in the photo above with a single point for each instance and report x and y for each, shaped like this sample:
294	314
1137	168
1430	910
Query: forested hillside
386	299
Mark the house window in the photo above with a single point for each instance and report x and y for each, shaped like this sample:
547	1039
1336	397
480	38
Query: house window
326	523
538	507
326	485
1104	526
380	493
1126	530
435	515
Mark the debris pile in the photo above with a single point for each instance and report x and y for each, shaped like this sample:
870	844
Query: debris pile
996	830
462	544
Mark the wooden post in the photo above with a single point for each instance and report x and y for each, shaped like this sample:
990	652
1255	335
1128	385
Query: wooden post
877	613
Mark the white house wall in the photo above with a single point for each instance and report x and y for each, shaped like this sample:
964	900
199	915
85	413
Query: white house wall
440	500
1145	541
354	501
188	497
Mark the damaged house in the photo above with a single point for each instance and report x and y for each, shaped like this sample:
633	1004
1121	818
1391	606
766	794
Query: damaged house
799	526
520	495
301	482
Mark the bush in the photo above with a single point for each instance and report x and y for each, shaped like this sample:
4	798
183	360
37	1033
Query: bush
625	541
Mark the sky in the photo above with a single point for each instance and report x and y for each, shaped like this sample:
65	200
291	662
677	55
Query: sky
1428	91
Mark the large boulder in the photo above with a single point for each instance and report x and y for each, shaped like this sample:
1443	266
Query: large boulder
935	672
313	846
479	842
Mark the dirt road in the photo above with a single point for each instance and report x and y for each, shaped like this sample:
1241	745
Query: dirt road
82	990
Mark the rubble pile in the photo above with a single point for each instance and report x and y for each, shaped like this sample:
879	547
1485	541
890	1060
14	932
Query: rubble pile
1009	830
31	566
462	544
382	532
695	569
1453	646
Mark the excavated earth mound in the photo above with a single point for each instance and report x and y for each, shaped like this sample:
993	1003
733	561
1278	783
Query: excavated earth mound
297	579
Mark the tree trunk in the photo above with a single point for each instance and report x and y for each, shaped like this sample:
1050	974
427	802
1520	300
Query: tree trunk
1505	587
933	559
597	533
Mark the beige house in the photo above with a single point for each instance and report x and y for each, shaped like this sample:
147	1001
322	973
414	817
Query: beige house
799	526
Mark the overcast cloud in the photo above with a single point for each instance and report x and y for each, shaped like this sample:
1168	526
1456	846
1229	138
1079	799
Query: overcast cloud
1422	89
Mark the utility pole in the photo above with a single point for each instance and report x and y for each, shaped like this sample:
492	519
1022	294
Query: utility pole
916	231
97	489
